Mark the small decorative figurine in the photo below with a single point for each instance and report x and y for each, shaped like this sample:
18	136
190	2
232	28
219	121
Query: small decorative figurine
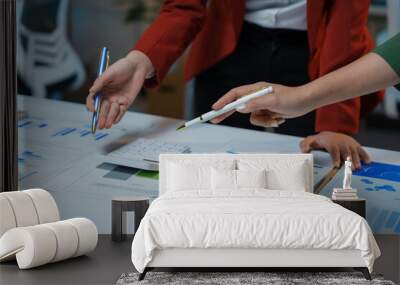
346	192
347	173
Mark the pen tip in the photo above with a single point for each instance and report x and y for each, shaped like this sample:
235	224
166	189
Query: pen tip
181	128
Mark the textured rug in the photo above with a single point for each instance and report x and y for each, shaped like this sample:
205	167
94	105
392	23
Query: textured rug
244	278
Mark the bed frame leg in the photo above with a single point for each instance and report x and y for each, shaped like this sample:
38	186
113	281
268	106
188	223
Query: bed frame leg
143	274
364	271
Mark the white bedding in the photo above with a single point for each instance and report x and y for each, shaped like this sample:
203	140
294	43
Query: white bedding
251	219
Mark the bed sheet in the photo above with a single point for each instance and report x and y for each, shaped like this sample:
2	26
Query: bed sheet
254	218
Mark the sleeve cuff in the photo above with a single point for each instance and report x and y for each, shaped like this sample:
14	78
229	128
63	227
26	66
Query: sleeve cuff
389	51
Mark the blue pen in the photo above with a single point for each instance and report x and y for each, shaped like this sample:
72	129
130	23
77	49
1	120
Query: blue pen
104	60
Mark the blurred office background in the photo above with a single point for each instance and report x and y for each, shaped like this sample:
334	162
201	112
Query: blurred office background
59	43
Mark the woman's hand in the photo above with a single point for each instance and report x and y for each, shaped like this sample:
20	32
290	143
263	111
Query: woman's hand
119	85
269	110
338	145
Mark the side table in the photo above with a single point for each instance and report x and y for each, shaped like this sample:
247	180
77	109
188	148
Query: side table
357	206
120	206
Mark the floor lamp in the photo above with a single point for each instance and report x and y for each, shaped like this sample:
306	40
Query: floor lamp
8	104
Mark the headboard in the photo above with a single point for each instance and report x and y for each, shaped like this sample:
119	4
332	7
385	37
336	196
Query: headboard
215	158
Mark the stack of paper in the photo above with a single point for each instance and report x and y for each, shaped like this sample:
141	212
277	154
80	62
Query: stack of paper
344	194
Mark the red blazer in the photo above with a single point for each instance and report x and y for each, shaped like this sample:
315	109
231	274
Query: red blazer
337	35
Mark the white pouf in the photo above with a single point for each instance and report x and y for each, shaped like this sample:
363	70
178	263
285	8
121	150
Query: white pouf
23	208
31	233
7	221
37	245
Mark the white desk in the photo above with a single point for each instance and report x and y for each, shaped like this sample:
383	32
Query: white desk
56	153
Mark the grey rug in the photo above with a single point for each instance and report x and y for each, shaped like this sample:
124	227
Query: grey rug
269	278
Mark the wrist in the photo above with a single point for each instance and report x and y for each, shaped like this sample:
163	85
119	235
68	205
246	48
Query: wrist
308	95
139	58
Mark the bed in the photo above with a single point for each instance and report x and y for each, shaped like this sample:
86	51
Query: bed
246	211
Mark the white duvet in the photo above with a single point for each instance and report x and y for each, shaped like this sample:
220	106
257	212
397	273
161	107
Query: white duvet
251	219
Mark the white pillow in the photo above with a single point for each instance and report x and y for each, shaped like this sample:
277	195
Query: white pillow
282	174
185	178
226	179
251	178
223	179
189	175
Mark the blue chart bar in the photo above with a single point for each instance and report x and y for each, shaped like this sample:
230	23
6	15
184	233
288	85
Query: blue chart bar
30	154
99	136
379	221
372	214
84	133
64	132
24	124
392	220
383	219
380	170
397	229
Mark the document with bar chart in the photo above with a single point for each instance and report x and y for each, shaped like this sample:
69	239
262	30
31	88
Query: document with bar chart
75	135
50	146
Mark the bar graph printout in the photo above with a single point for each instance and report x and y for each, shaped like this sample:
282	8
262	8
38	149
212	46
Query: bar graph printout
63	134
48	147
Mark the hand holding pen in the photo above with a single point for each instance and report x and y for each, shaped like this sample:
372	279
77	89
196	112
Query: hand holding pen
119	86
236	104
266	111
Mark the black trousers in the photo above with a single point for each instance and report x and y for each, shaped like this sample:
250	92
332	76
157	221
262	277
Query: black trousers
272	55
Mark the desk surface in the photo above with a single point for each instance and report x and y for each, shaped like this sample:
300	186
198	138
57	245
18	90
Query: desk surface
57	153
